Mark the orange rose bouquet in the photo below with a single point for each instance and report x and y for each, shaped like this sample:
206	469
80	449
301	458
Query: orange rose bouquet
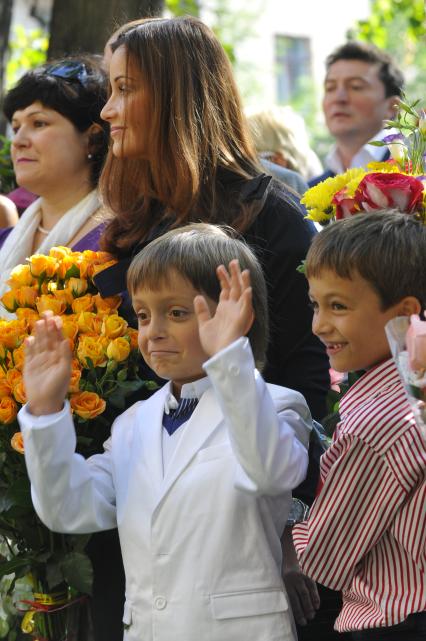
104	374
399	183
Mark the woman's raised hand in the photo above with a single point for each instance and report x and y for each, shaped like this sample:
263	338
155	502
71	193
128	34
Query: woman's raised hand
234	313
47	366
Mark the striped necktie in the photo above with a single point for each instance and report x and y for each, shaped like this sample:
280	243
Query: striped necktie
176	417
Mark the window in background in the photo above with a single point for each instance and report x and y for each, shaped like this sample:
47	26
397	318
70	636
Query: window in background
293	65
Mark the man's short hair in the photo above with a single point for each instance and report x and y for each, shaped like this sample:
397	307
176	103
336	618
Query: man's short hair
390	75
194	252
386	248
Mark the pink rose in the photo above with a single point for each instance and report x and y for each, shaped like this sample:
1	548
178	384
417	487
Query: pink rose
345	205
416	343
383	190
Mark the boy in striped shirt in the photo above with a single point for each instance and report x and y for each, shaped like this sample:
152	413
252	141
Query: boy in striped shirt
366	530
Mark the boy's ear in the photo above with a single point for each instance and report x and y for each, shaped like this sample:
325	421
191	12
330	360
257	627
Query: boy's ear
409	305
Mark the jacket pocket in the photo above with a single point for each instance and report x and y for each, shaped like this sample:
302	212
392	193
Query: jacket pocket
127	614
245	604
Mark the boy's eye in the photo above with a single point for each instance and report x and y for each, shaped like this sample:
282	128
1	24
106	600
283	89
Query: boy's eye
313	305
141	316
178	313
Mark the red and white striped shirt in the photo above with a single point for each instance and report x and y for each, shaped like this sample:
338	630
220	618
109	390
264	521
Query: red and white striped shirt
366	531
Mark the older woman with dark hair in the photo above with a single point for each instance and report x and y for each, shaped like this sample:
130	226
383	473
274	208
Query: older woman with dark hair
58	149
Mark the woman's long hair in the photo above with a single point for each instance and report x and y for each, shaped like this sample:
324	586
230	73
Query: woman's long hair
197	134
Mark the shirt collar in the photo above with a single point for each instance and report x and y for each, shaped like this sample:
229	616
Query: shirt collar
368	153
189	390
371	384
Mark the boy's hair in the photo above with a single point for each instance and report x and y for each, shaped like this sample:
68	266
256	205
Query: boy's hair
194	252
390	75
386	248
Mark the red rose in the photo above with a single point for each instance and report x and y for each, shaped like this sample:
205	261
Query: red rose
346	205
380	191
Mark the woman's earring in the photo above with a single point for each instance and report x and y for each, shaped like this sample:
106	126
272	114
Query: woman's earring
89	156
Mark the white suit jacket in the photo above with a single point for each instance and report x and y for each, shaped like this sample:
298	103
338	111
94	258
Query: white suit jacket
201	545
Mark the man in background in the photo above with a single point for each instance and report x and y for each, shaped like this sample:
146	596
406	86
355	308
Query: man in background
362	88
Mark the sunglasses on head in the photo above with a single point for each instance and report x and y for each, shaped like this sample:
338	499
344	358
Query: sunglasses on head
70	71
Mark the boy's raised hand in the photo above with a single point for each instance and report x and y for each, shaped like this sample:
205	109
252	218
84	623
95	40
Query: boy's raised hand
234	313
47	366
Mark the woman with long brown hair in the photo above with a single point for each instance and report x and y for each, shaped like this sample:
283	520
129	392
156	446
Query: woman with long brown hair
181	152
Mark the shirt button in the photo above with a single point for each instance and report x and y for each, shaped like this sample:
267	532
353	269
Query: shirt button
160	602
234	370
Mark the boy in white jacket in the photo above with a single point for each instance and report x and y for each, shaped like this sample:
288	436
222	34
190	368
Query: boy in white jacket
200	499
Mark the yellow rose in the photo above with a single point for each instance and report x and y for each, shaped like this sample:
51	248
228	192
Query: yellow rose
93	348
8	410
26	296
133	337
63	295
86	322
47	301
75	380
77	286
106	305
27	316
12	334
19	392
114	326
42	266
9	300
118	349
17	442
5	388
60	252
82	304
20	276
87	404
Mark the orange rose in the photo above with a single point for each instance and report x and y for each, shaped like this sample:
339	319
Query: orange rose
82	304
13	377
77	286
87	322
64	296
18	357
87	404
19	392
27	316
8	410
26	296
20	276
17	442
133	337
118	349
60	252
106	305
5	388
69	266
97	268
43	266
75	380
9	300
69	327
114	326
48	301
93	348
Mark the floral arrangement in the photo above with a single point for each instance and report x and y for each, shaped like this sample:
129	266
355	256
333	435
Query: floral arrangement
399	183
104	373
407	339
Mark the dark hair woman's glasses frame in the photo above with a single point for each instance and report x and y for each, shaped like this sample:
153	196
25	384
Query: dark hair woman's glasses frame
69	71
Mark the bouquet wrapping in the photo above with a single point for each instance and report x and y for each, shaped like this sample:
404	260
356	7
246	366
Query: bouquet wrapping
407	340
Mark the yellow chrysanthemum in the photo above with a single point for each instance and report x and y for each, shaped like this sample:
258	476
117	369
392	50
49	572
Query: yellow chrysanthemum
318	199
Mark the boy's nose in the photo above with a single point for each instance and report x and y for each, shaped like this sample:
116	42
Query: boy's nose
320	324
156	328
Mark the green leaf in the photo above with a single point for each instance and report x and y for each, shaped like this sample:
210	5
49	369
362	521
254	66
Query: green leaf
377	143
122	375
16	564
72	272
130	386
77	571
117	400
